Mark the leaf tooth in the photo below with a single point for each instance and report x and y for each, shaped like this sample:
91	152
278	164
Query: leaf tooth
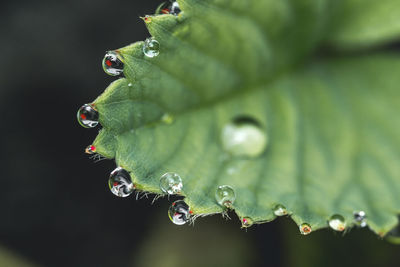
105	144
161	25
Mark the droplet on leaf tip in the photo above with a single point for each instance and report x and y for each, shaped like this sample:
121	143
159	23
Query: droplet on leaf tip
225	196
337	222
171	183
169	7
113	64
90	149
305	229
179	212
151	47
87	116
280	210
360	218
244	137
147	19
120	182
247	222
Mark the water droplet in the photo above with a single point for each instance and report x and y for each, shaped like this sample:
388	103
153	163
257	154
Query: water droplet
179	212
151	47
87	116
361	218
169	7
113	64
305	229
120	182
280	210
90	150
244	137
247	222
337	223
225	195
171	183
147	19
167	118
130	84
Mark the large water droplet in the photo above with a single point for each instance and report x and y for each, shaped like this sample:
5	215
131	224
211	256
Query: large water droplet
179	212
87	116
113	64
244	137
90	149
247	222
337	223
171	183
151	47
280	210
169	7
361	218
120	183
225	195
305	229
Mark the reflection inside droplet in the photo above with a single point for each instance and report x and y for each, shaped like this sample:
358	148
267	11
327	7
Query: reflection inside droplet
113	64
87	116
120	182
179	212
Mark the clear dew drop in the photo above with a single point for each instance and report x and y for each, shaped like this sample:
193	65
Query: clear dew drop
171	183
225	196
244	137
305	229
90	150
112	63
151	47
247	222
337	223
120	183
167	118
169	7
179	212
360	218
280	210
87	116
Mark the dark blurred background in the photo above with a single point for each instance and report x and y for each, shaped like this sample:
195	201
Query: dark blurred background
56	208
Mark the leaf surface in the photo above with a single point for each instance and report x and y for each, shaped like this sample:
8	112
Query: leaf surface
331	123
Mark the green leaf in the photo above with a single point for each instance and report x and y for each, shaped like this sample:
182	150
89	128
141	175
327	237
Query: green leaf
331	133
363	23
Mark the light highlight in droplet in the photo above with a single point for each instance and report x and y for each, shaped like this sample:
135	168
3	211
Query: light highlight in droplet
120	183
